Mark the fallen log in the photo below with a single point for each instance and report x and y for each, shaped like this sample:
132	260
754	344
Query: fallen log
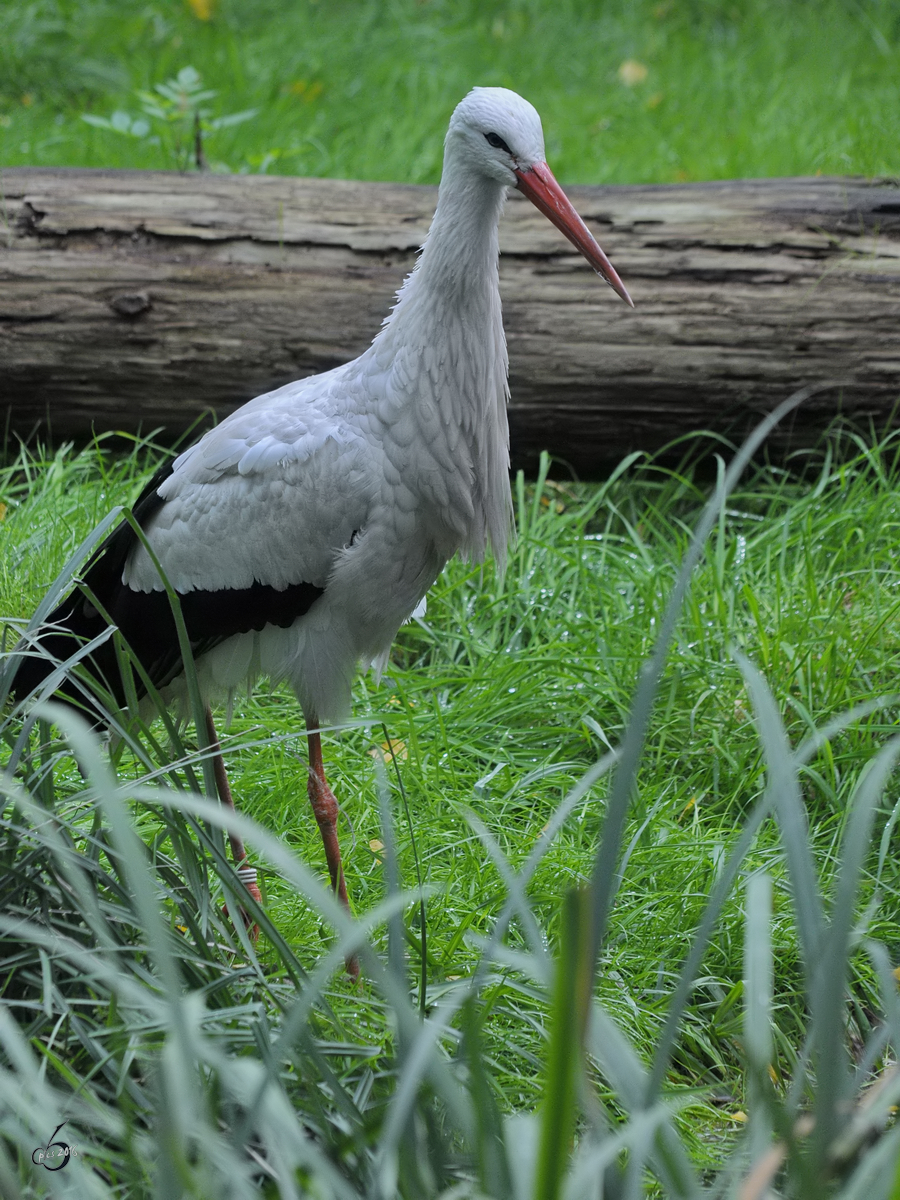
145	299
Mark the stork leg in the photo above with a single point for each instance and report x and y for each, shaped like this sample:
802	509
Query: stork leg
246	873
325	810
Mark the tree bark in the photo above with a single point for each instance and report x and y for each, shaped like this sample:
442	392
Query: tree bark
146	299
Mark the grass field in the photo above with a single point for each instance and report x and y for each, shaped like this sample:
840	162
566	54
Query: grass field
511	691
629	91
150	1033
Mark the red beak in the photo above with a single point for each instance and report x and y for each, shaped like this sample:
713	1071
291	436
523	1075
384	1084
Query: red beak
539	185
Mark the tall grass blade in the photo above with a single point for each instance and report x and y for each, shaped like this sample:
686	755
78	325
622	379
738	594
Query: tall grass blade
833	1092
784	784
604	877
622	1066
758	992
691	966
491	1156
565	1054
423	930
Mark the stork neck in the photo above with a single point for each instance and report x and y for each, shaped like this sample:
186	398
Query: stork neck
462	244
456	276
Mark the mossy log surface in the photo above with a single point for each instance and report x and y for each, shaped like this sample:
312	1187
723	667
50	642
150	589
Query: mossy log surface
146	299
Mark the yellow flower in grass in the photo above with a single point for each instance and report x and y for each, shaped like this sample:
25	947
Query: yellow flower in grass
388	751
632	72
202	9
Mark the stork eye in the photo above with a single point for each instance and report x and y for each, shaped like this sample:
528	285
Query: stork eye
497	142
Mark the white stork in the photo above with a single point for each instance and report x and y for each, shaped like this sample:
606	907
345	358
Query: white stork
306	528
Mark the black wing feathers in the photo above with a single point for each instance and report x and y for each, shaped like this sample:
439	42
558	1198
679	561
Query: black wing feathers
145	618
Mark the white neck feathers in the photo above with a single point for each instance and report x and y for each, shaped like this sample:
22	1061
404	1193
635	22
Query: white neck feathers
443	352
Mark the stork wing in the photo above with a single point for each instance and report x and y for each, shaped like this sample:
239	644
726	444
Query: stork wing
247	526
269	497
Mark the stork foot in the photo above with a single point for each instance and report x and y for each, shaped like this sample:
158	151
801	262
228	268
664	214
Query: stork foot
247	876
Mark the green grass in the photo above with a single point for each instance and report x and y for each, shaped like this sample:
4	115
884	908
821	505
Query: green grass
503	699
364	89
511	690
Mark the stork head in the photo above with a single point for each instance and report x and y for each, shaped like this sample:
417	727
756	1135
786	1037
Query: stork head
498	134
